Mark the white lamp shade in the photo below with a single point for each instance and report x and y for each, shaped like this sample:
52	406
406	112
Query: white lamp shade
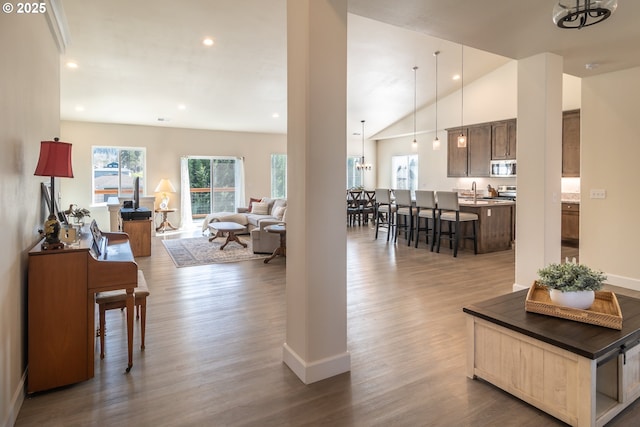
165	186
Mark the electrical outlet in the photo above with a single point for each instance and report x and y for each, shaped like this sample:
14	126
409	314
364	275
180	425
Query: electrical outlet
488	212
598	194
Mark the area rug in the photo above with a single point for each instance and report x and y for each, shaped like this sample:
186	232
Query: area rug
199	251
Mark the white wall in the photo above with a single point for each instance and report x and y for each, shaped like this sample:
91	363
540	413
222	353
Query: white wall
29	113
609	160
165	146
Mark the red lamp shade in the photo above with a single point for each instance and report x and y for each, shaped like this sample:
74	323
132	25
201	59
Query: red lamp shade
55	159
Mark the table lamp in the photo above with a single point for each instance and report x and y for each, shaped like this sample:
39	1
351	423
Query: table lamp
165	187
54	161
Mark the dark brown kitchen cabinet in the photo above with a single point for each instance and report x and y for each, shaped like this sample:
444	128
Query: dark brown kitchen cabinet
571	143
472	160
456	156
479	150
570	223
503	140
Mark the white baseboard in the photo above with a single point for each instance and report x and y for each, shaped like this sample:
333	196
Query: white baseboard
16	402
516	287
623	282
318	370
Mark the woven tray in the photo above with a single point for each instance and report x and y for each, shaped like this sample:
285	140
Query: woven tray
605	310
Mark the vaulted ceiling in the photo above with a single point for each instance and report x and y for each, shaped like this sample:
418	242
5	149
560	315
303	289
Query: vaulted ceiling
143	62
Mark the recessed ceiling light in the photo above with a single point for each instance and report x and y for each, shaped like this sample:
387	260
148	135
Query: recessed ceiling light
71	64
275	115
182	107
208	41
164	119
79	108
456	77
591	66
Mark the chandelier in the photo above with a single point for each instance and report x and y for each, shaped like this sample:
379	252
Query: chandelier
361	165
583	13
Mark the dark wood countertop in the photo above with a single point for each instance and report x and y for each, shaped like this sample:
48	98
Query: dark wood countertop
586	340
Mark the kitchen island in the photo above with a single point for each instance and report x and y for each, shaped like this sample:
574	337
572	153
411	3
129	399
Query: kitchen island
496	224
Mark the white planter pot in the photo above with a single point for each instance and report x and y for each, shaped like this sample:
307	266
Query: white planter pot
575	299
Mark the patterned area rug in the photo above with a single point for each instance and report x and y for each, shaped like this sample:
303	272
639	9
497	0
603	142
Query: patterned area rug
199	251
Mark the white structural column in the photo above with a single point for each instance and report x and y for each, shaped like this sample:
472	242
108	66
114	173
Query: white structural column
539	142
316	296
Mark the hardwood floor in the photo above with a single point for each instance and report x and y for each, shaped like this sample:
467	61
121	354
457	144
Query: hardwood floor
214	349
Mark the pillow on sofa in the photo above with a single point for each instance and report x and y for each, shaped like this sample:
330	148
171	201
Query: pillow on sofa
252	201
260	208
278	212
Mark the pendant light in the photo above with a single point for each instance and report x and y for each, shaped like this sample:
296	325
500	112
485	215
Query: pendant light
415	96
462	140
361	165
436	141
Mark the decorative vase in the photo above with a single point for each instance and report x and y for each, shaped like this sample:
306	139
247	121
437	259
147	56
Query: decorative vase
574	299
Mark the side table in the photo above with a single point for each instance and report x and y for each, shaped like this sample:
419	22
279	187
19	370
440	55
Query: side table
165	222
281	250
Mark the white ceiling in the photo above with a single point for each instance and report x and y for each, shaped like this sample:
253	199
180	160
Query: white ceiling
137	61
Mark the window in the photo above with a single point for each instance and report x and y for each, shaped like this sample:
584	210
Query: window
404	173
114	169
215	184
278	176
354	175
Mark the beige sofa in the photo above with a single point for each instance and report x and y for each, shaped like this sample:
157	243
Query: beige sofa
256	217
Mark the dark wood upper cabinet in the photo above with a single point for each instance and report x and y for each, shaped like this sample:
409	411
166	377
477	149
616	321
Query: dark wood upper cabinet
479	150
503	140
456	157
571	143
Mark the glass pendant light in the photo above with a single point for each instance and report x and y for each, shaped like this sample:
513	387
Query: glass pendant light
436	141
462	139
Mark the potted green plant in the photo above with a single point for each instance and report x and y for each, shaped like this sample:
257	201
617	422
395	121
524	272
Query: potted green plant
77	213
571	284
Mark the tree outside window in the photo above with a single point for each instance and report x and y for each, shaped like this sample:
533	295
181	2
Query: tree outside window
279	176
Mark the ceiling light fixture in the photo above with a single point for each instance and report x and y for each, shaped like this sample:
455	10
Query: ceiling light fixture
208	41
72	65
361	165
462	140
583	14
415	96
436	141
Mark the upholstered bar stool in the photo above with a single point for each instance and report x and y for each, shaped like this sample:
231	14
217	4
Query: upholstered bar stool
404	210
118	299
385	211
426	209
449	212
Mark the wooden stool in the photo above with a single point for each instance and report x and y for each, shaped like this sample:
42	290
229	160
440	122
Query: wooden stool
117	299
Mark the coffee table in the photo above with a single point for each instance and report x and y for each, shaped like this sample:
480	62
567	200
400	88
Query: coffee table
282	249
231	228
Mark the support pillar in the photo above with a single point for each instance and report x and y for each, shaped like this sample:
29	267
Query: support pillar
316	297
538	216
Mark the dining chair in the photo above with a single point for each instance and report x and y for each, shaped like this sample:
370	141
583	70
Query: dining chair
354	207
368	205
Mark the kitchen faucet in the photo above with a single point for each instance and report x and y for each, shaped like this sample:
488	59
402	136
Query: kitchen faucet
475	192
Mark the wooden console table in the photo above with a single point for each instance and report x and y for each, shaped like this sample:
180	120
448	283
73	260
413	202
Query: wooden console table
581	374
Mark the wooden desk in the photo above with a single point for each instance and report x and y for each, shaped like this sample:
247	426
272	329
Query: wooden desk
581	374
61	307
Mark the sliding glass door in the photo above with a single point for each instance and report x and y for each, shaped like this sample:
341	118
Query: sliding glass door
216	184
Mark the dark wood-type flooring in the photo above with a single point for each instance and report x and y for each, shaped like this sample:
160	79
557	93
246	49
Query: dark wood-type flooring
214	349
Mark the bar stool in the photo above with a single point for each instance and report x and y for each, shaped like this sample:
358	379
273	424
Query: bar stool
426	208
449	211
118	299
385	211
404	209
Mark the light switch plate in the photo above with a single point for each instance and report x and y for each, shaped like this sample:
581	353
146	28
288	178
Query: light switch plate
598	194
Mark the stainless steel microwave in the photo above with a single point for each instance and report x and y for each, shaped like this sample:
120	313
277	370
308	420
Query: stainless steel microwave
503	168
